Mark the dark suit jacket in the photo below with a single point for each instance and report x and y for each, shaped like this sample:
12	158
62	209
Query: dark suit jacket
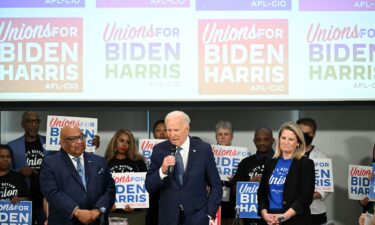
61	185
200	172
298	189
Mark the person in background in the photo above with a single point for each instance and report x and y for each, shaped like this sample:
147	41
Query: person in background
13	186
122	156
183	196
224	133
76	184
251	168
367	216
159	132
96	141
28	154
224	136
287	185
318	207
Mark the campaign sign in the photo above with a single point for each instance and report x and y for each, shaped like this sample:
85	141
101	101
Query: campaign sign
12	214
227	159
131	190
42	3
358	182
323	175
217	220
88	126
246	199
145	147
337	5
243	5
371	193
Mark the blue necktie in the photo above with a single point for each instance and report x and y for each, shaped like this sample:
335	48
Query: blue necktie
179	168
81	171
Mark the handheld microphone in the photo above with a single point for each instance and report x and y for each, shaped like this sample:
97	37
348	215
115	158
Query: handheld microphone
102	212
173	153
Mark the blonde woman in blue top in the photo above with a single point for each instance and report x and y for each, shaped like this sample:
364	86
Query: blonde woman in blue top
287	185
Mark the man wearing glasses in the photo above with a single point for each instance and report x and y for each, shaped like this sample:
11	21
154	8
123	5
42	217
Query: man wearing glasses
78	185
28	154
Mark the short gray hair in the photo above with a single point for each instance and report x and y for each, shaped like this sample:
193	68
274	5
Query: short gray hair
175	114
224	124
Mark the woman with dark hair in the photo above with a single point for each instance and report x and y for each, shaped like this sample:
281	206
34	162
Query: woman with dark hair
13	185
122	156
287	185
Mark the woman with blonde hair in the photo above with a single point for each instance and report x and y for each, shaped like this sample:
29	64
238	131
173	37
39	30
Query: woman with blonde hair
287	185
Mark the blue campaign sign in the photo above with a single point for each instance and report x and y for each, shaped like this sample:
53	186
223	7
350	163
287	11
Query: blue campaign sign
246	199
372	184
19	213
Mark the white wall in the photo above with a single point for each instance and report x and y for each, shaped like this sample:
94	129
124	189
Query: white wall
347	136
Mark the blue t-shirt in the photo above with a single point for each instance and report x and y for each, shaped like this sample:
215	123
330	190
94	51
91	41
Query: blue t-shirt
276	183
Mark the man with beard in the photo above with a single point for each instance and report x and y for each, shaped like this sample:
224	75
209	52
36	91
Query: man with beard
251	168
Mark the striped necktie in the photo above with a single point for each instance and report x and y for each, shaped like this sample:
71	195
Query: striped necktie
179	168
81	171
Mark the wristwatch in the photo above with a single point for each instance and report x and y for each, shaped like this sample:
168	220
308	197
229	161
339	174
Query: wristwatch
281	219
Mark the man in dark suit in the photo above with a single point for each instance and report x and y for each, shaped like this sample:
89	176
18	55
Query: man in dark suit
184	201
76	184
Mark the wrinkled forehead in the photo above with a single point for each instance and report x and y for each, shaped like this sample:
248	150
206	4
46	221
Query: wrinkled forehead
69	131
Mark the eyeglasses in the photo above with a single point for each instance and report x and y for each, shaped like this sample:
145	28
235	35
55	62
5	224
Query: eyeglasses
74	139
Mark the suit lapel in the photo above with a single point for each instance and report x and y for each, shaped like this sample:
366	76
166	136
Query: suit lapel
191	159
88	167
70	167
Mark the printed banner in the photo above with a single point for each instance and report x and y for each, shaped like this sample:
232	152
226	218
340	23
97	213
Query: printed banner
41	55
145	147
88	126
243	5
243	57
42	3
371	193
339	55
227	159
337	5
142	3
323	175
144	56
358	182
131	190
15	214
246	199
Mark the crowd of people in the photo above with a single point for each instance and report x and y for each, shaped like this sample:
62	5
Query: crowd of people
72	186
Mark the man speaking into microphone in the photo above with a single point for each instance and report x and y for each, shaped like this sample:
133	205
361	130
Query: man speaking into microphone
182	168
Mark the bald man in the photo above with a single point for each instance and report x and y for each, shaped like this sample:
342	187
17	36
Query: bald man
76	184
252	167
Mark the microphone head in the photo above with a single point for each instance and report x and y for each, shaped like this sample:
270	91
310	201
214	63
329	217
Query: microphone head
103	209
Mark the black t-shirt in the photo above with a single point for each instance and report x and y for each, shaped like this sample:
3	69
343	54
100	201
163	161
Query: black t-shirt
250	167
34	156
126	165
13	184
